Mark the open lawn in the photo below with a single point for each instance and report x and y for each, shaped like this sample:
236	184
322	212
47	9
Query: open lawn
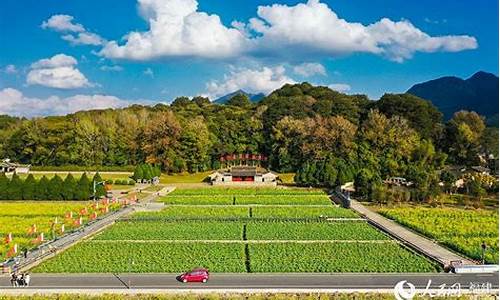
184	177
462	230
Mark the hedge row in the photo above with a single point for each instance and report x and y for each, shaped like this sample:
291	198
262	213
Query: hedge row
50	189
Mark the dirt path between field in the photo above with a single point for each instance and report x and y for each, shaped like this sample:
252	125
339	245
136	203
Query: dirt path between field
410	238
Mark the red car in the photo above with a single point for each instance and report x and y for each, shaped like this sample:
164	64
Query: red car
196	275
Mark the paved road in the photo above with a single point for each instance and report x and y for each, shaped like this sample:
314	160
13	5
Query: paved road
252	281
416	241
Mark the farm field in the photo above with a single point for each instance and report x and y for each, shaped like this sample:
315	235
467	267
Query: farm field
293	236
245	191
285	199
462	230
253	212
17	217
335	257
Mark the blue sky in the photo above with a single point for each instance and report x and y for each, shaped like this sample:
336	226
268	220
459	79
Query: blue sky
84	56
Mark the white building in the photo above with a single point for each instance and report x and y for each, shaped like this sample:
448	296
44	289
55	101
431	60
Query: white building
243	175
6	166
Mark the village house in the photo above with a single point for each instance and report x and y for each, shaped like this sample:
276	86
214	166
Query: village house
6	166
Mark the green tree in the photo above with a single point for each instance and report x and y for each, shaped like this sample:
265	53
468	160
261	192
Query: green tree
330	174
69	188
42	189
4	184
29	188
83	188
138	173
55	188
363	182
421	114
15	188
463	137
99	185
448	179
239	100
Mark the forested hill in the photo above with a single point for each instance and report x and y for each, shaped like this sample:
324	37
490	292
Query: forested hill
299	127
451	94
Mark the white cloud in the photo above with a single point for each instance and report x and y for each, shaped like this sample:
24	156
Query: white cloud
58	72
114	68
309	69
400	40
176	28
149	72
84	38
264	80
314	27
62	23
76	34
10	69
16	104
340	87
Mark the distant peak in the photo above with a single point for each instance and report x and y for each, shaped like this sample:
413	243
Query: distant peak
483	74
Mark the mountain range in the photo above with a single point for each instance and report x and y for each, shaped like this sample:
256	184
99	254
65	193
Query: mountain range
253	97
450	94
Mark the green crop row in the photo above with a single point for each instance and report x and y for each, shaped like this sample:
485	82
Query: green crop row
246	191
247	200
460	229
266	212
198	200
160	230
284	200
336	257
329	211
228	230
312	231
121	257
95	257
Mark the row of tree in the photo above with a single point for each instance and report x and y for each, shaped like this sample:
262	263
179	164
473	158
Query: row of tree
146	172
325	136
55	188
